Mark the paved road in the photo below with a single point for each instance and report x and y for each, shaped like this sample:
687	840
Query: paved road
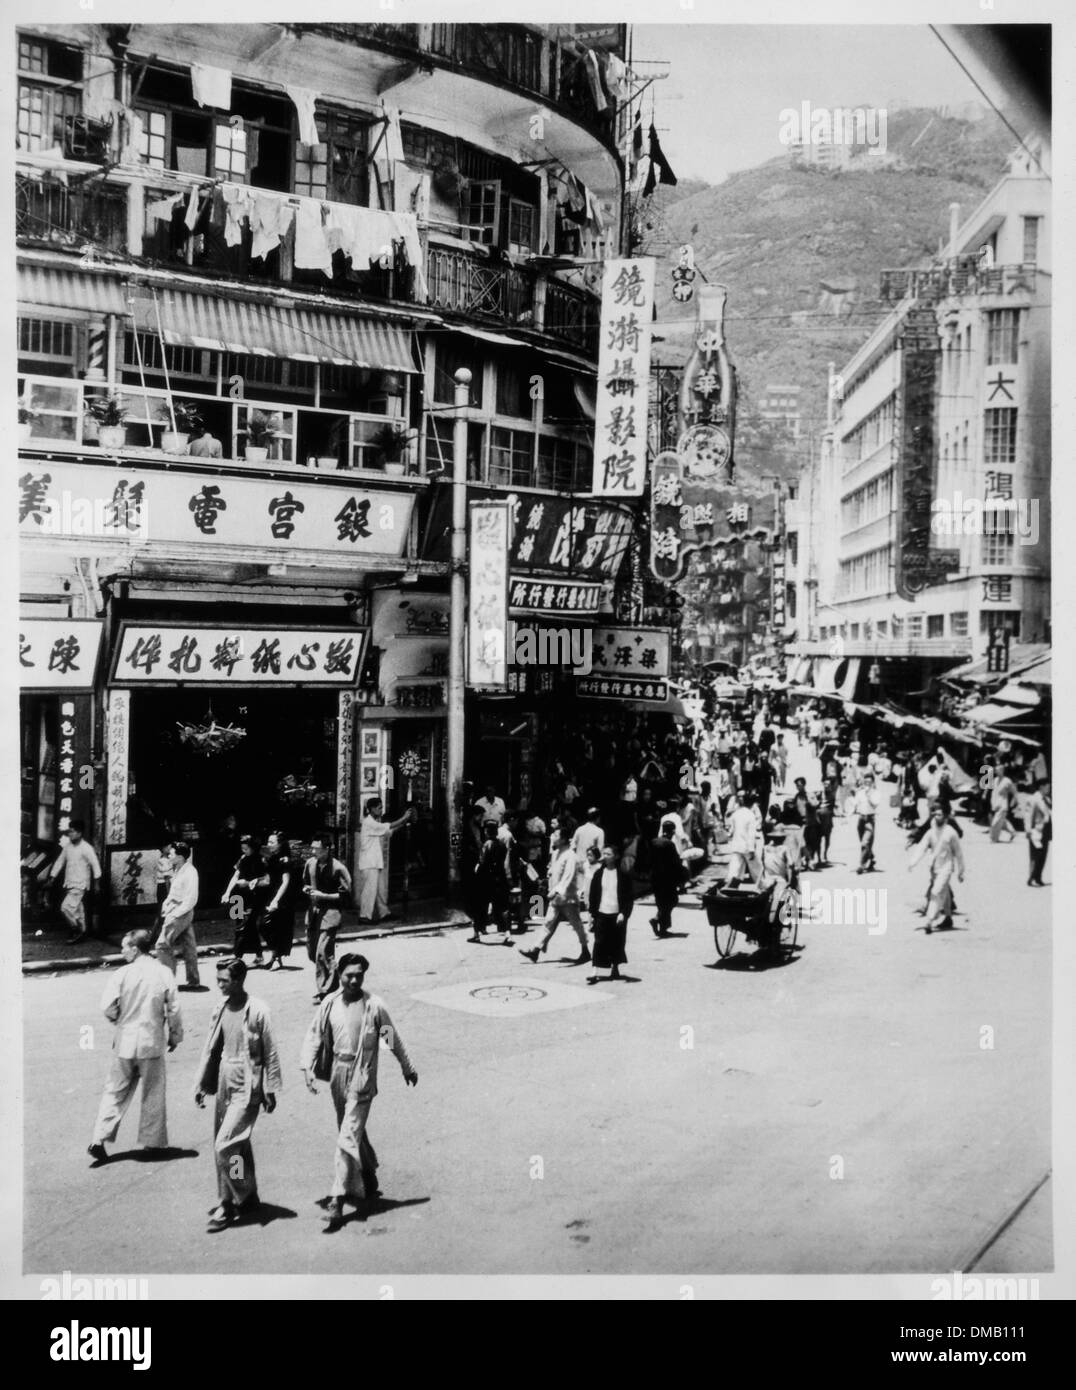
850	1111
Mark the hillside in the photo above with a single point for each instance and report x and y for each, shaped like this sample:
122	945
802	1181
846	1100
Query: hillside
801	251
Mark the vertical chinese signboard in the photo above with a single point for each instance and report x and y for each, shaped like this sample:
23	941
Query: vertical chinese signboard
620	423
487	601
917	565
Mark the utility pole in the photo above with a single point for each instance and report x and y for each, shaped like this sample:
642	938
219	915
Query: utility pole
456	631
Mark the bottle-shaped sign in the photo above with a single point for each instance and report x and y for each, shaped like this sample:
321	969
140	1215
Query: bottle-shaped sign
708	391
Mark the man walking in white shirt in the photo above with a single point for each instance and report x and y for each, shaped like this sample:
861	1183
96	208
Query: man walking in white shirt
177	917
743	841
371	866
588	835
564	876
865	807
141	1000
81	870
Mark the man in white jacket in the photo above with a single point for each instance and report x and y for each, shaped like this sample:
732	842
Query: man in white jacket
141	1000
564	876
177	917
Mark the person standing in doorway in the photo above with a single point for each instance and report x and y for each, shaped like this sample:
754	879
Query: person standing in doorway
492	806
372	869
141	1000
239	1065
81	871
327	888
611	902
245	897
342	1046
177	917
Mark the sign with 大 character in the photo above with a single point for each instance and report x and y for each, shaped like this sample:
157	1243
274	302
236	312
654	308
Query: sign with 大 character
692	514
631	651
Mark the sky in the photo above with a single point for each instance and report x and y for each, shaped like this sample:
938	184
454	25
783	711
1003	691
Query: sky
719	110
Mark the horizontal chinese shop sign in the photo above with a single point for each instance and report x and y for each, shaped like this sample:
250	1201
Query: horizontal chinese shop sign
557	535
616	688
58	653
173	653
631	651
139	505
553	596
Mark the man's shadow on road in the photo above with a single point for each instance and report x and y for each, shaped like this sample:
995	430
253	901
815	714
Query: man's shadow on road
376	1206
267	1213
757	960
145	1156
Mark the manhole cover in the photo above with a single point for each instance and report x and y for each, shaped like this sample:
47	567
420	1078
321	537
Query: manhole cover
506	992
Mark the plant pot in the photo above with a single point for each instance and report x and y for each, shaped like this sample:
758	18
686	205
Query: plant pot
114	436
172	442
256	453
396	470
326	463
25	431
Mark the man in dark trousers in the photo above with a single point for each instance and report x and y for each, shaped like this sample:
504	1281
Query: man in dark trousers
666	876
610	904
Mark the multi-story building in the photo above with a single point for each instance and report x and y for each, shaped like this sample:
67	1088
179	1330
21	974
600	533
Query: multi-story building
931	490
281	241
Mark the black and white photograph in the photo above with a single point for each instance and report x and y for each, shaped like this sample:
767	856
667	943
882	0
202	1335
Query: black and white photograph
534	568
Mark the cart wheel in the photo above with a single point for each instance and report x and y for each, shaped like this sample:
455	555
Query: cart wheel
724	939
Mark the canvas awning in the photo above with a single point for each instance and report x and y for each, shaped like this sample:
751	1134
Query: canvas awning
992	713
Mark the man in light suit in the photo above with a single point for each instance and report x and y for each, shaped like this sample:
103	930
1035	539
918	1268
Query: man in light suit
177	917
342	1047
141	1000
240	1066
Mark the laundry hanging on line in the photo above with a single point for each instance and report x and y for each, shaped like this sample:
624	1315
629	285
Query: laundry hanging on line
304	100
211	86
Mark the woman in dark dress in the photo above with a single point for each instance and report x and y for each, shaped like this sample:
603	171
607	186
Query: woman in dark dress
278	926
249	886
610	907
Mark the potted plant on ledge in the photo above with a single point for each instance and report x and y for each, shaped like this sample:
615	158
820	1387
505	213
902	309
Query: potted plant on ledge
390	444
27	416
259	437
181	419
110	413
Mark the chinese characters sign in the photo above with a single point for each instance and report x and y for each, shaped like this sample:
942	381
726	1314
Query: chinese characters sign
487	599
74	787
613	688
552	535
140	505
172	653
563	596
631	651
689	514
133	875
620	422
58	653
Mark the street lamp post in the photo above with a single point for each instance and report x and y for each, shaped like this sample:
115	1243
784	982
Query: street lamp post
456	633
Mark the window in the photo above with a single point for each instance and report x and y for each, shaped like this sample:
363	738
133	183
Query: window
336	168
451	355
936	625
990	619
999	435
793	543
881	628
1001	336
281	426
915	625
522	226
48	345
898	629
1031	240
563	465
958	624
511	458
58	406
311	170
998	538
853	632
481	211
153	141
230	152
45	105
513	393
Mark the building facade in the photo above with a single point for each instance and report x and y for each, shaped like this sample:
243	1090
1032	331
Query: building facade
927	508
250	260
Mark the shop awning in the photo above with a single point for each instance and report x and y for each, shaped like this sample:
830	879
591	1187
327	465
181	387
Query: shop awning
847	687
229	325
991	713
1018	694
94	292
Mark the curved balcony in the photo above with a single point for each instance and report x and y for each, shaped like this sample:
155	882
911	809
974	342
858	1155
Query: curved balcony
519	57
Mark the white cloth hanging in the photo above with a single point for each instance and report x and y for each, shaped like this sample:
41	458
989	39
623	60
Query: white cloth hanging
304	100
311	249
238	206
161	210
192	210
269	221
211	86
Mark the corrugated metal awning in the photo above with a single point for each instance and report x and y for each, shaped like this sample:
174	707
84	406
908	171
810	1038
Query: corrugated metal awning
207	320
264	330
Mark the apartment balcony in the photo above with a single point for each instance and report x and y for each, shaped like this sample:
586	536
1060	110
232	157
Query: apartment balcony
515	56
112	216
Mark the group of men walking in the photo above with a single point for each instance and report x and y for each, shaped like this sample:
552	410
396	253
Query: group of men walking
240	1067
